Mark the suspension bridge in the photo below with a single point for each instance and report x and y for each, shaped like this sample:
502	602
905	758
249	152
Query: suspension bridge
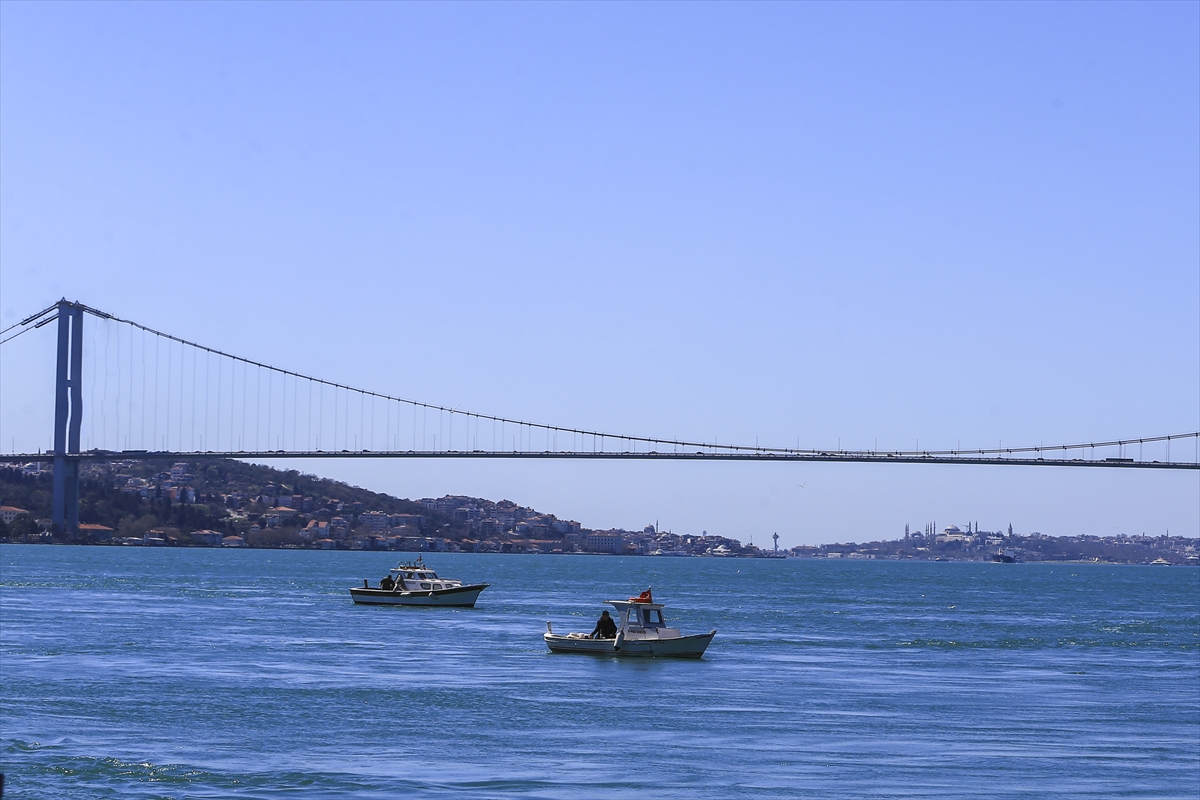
152	395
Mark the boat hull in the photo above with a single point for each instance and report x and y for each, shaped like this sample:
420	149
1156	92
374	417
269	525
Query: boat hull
454	597
678	647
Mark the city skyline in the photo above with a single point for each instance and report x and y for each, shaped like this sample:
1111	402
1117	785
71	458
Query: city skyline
217	502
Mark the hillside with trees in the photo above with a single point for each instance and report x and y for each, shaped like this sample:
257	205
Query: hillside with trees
221	495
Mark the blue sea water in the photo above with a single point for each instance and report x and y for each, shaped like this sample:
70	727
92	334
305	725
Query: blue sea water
192	673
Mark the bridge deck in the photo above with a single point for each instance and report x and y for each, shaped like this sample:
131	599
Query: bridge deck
845	456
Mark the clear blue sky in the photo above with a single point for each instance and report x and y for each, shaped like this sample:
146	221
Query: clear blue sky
953	223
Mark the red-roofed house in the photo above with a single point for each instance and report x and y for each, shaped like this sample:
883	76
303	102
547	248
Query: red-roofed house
9	513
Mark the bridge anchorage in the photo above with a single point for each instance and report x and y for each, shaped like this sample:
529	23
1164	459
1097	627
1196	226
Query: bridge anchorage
164	397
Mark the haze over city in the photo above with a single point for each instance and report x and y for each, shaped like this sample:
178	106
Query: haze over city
831	226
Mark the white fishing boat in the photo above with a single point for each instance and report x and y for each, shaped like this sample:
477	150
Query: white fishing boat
640	631
415	584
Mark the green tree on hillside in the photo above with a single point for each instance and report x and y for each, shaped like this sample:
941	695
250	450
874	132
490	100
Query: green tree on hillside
23	525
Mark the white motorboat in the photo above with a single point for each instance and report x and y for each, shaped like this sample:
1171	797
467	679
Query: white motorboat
641	631
414	584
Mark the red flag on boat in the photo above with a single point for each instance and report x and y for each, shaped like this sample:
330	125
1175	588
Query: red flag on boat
644	597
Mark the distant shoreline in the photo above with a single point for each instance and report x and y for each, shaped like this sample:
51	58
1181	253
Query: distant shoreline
739	558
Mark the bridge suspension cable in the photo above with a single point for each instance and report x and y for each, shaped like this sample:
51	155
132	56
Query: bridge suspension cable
235	405
28	324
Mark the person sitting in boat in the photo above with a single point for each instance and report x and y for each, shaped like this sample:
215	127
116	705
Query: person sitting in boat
387	584
605	627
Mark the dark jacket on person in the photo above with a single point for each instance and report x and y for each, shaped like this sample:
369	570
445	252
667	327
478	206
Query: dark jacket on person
605	627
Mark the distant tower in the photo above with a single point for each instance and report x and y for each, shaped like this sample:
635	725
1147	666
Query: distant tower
906	536
775	536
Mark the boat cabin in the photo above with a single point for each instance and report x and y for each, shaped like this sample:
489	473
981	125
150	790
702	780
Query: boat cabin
642	620
417	577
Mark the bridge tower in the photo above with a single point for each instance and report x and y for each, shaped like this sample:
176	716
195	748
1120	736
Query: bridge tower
68	418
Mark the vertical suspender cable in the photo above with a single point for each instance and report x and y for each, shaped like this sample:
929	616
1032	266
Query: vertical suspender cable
129	416
145	410
245	399
193	433
92	392
182	392
154	432
218	420
207	364
170	372
102	438
117	399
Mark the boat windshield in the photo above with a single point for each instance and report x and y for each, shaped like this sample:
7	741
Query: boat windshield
646	617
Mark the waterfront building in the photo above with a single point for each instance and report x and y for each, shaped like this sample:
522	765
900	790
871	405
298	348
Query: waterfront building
604	542
9	513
